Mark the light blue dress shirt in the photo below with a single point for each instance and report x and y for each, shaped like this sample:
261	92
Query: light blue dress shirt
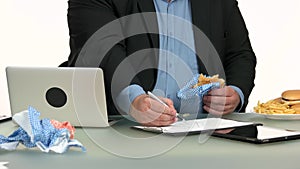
177	58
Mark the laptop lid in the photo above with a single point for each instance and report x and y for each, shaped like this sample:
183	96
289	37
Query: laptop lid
4	118
69	94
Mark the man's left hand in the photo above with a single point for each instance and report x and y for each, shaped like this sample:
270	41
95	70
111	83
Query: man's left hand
221	101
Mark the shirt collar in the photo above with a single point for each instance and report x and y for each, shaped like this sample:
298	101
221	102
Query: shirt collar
170	1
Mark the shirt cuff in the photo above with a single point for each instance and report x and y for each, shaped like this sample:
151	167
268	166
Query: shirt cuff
127	95
239	91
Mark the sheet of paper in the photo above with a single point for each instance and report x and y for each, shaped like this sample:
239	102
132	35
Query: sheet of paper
269	132
196	125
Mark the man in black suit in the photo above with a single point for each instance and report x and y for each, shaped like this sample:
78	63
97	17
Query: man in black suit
102	26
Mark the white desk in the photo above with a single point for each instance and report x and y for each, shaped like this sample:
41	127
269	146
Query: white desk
189	153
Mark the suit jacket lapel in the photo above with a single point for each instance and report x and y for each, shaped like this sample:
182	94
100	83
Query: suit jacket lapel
200	10
200	14
200	18
146	5
151	23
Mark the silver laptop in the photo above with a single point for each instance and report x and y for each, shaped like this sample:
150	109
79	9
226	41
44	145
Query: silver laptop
76	95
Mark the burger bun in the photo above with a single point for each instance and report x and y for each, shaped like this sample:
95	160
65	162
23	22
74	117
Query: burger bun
296	107
291	97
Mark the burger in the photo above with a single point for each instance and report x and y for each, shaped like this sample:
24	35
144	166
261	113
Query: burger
296	107
288	103
291	97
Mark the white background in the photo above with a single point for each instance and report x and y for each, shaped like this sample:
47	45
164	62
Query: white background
35	33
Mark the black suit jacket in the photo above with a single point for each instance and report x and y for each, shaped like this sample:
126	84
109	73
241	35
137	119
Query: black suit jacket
219	20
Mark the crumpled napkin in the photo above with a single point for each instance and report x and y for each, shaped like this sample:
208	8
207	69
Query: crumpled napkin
188	92
3	165
34	132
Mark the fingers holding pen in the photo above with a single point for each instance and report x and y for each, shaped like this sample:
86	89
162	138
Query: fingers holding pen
150	112
165	112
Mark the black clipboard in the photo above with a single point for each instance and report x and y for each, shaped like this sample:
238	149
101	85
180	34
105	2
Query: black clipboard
196	126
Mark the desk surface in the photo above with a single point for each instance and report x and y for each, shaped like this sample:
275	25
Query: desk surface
114	147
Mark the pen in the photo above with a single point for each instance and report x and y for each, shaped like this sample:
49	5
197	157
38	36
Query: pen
163	103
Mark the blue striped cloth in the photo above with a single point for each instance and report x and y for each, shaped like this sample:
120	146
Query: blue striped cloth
188	92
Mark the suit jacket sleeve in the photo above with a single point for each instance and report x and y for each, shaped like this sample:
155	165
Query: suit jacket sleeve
240	60
85	18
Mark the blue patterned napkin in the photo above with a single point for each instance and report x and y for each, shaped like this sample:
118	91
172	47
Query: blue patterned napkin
34	132
188	92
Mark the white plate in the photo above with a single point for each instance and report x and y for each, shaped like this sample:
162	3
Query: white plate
281	116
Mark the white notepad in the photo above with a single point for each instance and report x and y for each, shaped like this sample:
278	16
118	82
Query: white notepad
195	126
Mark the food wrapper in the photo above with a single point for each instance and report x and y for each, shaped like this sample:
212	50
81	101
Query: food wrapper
47	135
191	92
61	125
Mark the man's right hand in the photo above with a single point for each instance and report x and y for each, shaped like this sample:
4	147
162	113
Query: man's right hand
150	112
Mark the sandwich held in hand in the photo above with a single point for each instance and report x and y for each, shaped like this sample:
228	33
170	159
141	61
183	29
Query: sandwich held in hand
288	103
199	86
202	80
